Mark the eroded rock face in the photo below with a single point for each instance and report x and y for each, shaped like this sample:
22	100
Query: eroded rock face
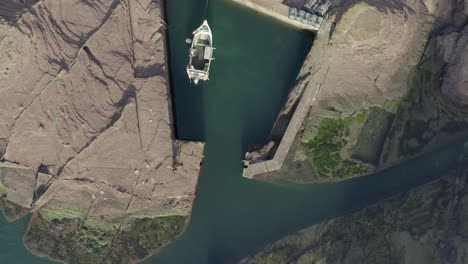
455	49
85	126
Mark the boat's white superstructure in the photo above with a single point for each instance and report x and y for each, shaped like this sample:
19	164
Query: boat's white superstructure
201	54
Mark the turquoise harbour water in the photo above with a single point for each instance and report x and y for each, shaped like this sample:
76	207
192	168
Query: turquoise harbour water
257	61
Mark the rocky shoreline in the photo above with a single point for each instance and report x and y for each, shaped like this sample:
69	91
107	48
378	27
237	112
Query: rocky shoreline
86	136
74	240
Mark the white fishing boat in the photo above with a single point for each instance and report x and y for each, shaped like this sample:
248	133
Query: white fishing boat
201	54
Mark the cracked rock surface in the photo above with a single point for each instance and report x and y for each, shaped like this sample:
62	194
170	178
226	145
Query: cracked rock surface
86	120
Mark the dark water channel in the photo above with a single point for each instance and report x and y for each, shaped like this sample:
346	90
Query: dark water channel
257	61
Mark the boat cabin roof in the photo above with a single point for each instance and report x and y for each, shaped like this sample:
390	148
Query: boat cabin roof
208	53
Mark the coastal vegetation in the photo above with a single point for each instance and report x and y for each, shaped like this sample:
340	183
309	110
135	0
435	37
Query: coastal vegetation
388	232
51	215
72	236
335	148
330	144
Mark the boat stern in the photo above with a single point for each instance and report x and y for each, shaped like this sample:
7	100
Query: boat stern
197	75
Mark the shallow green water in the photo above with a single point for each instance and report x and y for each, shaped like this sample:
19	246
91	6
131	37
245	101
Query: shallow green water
256	62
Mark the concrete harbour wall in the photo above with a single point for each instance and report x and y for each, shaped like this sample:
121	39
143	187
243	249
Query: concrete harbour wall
305	103
275	9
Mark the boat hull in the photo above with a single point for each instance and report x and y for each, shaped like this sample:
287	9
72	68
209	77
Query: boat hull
201	54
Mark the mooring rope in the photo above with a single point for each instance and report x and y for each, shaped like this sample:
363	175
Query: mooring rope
206	7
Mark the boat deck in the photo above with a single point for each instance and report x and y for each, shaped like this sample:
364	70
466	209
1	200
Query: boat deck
199	61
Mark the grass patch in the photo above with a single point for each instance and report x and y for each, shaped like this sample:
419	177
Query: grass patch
58	216
51	215
95	223
332	136
3	188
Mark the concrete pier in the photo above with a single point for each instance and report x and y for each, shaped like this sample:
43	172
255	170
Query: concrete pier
296	121
275	9
305	103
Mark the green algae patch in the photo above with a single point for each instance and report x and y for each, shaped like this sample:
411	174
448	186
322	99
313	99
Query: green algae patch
329	146
73	237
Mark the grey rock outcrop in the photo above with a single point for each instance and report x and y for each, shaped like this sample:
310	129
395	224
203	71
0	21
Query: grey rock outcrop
454	46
